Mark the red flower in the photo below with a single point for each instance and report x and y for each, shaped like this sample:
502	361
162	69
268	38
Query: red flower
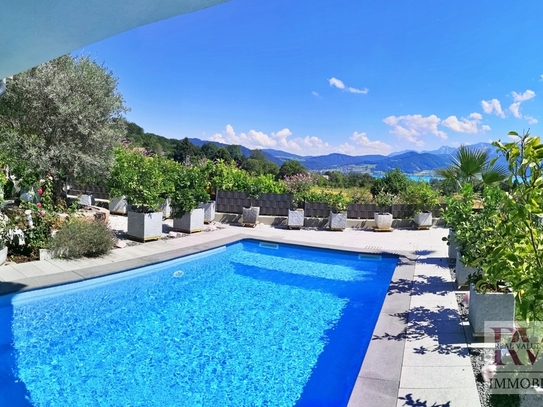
38	204
40	191
42	213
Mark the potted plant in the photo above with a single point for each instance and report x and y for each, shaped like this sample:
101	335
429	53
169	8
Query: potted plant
490	302
456	216
383	219
143	181
298	185
337	203
423	198
189	192
253	188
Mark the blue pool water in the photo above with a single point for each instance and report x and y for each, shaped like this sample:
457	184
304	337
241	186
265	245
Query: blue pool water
249	324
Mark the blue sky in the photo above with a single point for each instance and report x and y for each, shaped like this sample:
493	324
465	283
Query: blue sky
316	77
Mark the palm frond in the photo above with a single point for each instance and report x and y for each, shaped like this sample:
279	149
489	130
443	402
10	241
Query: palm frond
494	174
470	162
447	173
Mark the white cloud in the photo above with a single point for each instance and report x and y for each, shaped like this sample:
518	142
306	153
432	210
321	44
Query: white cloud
493	105
337	83
363	145
515	109
531	120
520	98
280	140
412	127
523	97
464	125
252	139
485	127
363	91
359	143
541	77
316	94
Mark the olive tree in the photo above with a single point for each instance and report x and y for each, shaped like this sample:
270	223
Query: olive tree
62	119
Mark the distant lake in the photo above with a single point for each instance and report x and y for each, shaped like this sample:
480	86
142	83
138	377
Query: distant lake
426	178
422	178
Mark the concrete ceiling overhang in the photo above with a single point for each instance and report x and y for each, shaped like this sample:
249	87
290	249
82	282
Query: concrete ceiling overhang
35	31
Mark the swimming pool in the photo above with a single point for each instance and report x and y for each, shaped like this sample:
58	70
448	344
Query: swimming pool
251	323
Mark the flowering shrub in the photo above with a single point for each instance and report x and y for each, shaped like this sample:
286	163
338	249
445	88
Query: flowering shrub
299	186
35	224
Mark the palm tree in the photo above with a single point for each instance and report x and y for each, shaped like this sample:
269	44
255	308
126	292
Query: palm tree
473	166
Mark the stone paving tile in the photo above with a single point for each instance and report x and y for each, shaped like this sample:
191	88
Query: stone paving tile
47	267
433	324
29	269
439	397
435	301
437	377
65	265
373	393
390	333
441	350
8	273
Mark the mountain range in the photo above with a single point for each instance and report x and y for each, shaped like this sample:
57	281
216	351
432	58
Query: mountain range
409	161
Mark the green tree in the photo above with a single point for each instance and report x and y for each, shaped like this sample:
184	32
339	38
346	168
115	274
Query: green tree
210	150
290	168
253	166
392	183
270	168
236	153
223	154
258	155
336	179
63	118
358	179
185	151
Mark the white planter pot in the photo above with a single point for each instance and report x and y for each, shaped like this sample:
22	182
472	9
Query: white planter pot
490	307
45	255
296	218
118	206
338	221
383	220
423	219
3	255
166	209
87	200
144	226
190	222
209	211
250	215
463	272
453	246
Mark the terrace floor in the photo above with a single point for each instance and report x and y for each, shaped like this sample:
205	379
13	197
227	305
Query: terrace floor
418	355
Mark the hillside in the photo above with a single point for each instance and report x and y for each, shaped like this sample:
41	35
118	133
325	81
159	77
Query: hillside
410	162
